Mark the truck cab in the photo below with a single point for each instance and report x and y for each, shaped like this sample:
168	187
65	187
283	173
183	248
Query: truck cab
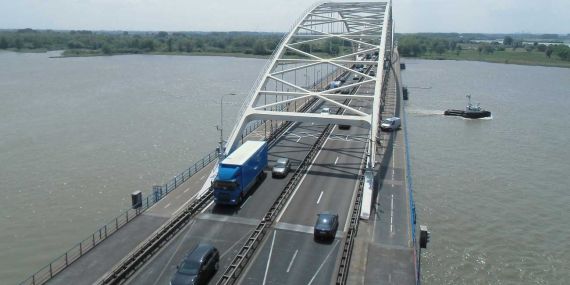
239	172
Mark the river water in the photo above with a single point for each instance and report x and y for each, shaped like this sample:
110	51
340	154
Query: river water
78	135
494	193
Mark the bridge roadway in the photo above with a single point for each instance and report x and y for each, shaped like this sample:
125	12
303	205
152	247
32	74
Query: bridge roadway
289	255
328	185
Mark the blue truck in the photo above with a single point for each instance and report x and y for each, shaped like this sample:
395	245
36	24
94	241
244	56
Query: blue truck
239	172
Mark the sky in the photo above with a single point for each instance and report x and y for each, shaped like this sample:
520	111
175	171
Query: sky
464	16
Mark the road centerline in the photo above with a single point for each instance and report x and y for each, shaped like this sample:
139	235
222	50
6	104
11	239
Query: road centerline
392	215
292	260
320	196
269	259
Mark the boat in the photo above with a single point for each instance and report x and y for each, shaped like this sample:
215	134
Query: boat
471	111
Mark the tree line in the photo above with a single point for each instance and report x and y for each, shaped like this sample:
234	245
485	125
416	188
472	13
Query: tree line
417	45
108	43
79	42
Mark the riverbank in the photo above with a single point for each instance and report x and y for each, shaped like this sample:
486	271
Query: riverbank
226	54
508	57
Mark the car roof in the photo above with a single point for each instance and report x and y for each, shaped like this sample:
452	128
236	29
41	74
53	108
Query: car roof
199	251
393	119
326	214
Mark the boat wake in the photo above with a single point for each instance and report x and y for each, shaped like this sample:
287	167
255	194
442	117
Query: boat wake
424	112
485	118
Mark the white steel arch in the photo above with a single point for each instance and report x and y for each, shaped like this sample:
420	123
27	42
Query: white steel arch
329	41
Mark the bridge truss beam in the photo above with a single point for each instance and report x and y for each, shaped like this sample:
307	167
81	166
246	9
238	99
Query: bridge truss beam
325	44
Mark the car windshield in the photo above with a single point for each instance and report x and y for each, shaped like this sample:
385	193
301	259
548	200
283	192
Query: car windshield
189	267
387	122
281	163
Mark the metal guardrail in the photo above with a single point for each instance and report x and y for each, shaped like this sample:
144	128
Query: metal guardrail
160	237
232	272
74	253
410	187
344	264
152	244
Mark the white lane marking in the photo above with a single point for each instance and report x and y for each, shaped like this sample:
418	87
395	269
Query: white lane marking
203	176
187	190
269	260
392	215
243	204
324	261
320	196
303	178
167	205
393	164
298	139
336	160
292	259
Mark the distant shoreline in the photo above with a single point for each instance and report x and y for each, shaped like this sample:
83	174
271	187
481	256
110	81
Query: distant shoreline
497	57
464	56
240	55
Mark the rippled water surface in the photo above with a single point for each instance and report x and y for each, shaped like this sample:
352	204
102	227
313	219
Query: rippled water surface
78	135
495	193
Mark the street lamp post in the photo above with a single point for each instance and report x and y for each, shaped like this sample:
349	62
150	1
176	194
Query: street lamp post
222	151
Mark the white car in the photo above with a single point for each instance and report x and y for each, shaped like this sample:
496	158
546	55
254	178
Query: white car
390	124
326	111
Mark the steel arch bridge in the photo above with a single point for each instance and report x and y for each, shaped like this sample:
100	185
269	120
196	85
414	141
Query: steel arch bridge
329	40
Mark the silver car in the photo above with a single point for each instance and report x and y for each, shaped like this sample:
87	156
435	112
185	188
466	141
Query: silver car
390	124
281	167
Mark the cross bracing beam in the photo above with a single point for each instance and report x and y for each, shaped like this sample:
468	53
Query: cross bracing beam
326	44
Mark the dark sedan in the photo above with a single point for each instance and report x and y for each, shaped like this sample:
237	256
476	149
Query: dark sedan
198	266
326	226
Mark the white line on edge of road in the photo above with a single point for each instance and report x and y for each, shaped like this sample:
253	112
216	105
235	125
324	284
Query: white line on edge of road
292	259
320	196
324	261
392	215
336	160
269	259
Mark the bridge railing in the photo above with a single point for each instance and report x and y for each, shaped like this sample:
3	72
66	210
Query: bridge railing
74	253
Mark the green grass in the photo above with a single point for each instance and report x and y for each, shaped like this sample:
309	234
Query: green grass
520	56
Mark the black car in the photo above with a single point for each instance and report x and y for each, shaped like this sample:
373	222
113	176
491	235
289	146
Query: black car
344	127
345	91
199	265
372	73
326	226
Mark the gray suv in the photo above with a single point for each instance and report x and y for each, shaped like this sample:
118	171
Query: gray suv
198	266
